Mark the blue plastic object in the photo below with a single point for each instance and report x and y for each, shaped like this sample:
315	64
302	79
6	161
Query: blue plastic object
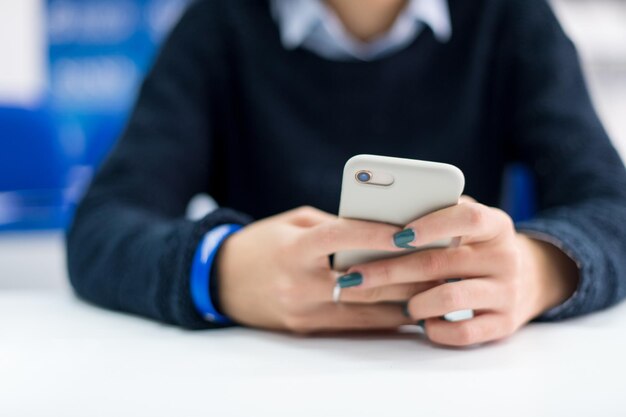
201	272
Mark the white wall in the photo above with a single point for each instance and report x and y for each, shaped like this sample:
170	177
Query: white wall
23	52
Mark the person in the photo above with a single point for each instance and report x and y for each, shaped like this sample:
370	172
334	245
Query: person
260	104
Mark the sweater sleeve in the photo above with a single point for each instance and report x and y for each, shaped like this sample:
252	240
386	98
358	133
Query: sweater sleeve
581	180
130	247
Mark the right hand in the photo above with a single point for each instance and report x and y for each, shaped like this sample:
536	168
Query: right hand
275	274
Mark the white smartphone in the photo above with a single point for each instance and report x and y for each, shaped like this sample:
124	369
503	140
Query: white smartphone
396	191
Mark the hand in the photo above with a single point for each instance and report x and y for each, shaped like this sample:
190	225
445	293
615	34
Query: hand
509	277
275	273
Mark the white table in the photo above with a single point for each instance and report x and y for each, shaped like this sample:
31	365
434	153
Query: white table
62	357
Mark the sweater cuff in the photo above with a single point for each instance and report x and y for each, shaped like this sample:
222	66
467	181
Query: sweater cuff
202	272
571	241
184	310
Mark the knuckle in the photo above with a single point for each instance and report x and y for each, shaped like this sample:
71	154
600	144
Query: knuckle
518	268
516	261
516	295
467	199
373	294
372	234
510	258
382	273
284	248
508	325
506	253
362	318
514	287
507	221
463	254
408	292
475	214
432	261
452	299
466	334
329	233
501	252
288	294
306	210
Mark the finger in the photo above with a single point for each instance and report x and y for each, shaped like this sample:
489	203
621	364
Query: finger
390	293
481	329
307	216
344	317
321	289
466	199
429	265
345	234
470	294
474	222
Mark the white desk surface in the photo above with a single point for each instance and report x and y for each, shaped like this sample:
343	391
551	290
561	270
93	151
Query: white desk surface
62	357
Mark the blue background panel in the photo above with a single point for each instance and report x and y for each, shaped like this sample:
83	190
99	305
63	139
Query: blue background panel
98	53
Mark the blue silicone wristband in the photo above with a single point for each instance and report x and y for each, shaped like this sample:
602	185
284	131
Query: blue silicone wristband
201	272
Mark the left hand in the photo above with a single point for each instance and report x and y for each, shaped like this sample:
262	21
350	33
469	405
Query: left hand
508	278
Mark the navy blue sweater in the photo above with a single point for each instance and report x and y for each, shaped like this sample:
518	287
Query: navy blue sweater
227	111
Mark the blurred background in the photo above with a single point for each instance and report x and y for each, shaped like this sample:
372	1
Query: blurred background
69	74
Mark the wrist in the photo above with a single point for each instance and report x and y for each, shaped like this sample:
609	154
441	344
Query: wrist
554	274
223	272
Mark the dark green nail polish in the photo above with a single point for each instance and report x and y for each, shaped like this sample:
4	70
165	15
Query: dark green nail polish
422	324
405	310
403	238
350	280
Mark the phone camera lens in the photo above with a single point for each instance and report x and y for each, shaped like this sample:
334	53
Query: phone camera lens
363	176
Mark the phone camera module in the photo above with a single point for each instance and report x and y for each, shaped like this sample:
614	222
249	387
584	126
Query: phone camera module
363	176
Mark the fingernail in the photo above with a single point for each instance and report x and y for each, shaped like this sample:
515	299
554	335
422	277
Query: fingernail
403	238
422	324
350	280
405	310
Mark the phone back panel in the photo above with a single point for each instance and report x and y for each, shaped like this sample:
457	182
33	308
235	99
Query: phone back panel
418	188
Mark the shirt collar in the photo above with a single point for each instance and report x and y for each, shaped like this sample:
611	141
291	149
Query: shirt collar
297	19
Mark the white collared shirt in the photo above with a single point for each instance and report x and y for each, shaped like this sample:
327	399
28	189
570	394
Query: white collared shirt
311	24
